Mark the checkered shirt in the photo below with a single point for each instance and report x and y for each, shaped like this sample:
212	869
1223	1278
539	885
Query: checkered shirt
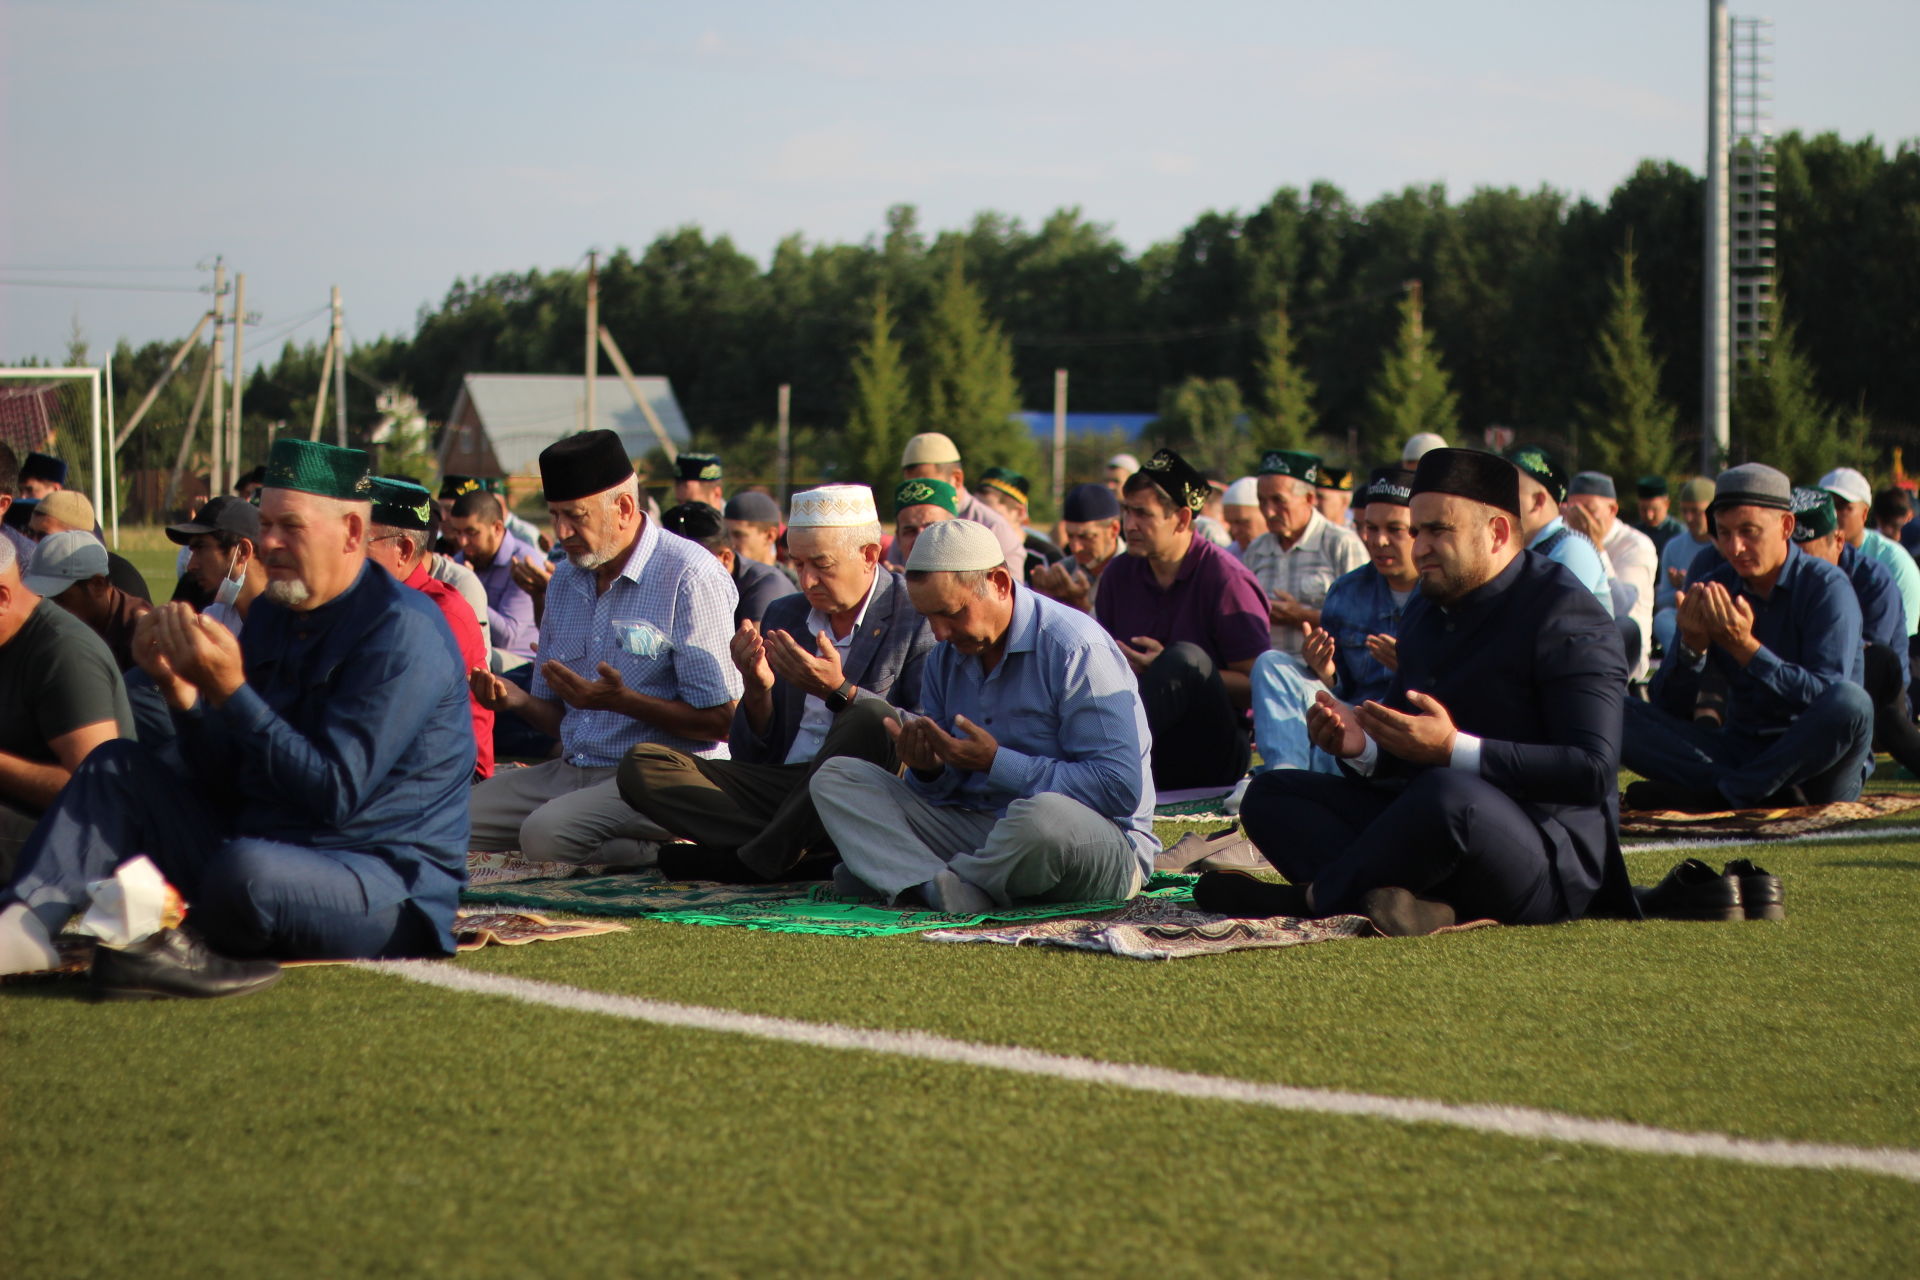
1324	553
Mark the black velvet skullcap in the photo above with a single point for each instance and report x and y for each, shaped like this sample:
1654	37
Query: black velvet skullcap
583	465
698	522
1389	484
1467	473
1174	474
1086	503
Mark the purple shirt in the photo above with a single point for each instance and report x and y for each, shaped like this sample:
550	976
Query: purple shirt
1214	602
509	609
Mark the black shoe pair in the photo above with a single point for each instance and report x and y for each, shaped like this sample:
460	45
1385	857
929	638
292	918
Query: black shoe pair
1695	891
174	964
1649	796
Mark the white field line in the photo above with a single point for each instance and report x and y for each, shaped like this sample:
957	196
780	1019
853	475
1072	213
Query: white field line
1818	837
1514	1122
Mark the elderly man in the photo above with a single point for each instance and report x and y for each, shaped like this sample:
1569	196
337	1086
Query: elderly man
1482	785
1543	488
70	569
932	456
1353	648
66	510
317	806
1006	492
1027	778
1677	557
42	474
757	585
399	541
1655	520
1302	552
699	477
1090	524
633	649
1190	620
822	675
1783	630
1852	500
1593	510
1240	512
478	523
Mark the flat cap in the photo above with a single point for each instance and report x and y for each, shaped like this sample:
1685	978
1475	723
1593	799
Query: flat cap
1753	484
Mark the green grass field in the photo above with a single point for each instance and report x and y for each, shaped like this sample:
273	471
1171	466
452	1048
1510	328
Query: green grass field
350	1123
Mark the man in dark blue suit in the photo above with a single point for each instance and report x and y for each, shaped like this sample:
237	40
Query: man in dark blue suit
1483	785
824	671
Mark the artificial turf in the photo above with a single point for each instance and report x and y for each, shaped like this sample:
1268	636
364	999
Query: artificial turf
349	1123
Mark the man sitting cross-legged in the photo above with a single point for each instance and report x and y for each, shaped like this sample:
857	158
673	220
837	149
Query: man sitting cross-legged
1783	630
823	675
1028	777
1482	786
314	805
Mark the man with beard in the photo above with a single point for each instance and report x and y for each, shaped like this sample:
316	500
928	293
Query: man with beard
1090	526
316	804
633	648
1482	785
223	558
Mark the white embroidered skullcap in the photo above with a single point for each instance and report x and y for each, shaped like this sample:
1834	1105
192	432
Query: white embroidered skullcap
956	546
1244	492
833	506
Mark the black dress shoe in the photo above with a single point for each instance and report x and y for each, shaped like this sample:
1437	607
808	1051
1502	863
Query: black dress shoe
1234	893
1649	796
1760	894
1693	891
174	964
704	862
1786	798
1398	913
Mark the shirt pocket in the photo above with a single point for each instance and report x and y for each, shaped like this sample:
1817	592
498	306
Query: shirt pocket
640	651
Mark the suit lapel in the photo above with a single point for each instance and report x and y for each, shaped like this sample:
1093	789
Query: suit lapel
866	641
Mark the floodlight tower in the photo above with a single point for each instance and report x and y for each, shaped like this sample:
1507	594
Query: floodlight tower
1750	161
1714	418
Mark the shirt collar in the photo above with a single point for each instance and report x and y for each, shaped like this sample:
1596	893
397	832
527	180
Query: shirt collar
642	549
817	621
1024	631
1547	530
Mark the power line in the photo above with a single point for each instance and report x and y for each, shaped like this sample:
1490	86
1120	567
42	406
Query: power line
25	267
87	284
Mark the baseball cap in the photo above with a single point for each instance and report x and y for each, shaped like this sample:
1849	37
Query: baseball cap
224	514
62	559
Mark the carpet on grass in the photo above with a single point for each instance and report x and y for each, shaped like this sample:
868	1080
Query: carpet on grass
773	908
1765	824
1159	929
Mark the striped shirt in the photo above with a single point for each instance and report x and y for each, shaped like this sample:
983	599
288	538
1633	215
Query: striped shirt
664	625
1306	570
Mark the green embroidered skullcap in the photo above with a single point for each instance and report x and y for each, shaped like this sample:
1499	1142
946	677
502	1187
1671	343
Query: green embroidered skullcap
400	505
323	469
698	466
1813	514
452	487
1002	480
928	493
1290	462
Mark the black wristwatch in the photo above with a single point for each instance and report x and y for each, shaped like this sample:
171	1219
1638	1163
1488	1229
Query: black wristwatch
840	699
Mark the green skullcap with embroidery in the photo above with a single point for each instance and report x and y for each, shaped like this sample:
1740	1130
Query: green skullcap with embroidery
1177	479
1538	465
323	469
400	505
926	493
452	487
1813	514
1290	462
1011	483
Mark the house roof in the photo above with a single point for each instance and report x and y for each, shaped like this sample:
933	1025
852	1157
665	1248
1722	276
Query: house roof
523	413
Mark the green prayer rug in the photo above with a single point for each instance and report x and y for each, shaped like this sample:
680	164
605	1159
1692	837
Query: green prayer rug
775	908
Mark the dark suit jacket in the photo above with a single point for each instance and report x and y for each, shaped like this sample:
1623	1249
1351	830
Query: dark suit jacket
885	660
1533	666
759	586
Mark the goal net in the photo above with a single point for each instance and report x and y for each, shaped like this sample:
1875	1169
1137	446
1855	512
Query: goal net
58	412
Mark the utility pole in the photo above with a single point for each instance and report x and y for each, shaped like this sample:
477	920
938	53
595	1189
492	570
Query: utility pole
217	472
785	403
239	373
593	336
339	373
1059	437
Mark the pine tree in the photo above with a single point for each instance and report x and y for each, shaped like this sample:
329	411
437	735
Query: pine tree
882	415
1411	393
1205	421
1779	417
967	387
1286	394
1629	429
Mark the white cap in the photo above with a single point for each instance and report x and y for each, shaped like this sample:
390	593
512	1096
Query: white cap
62	559
956	546
833	506
1244	492
1127	460
929	448
1845	482
1419	445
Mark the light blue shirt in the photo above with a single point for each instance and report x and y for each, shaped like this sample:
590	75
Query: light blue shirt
1065	709
664	625
1678	554
1906	574
1565	547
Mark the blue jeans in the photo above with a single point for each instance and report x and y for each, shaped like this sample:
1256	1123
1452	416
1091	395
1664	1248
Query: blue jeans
1824	751
246	896
1282	692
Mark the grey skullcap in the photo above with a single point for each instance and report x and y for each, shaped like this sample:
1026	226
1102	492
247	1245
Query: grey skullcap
755	506
1595	482
956	546
1753	484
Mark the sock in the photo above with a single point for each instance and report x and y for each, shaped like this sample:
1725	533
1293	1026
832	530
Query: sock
25	944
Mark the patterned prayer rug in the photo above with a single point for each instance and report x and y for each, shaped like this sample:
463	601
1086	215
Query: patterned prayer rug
1765	824
1158	929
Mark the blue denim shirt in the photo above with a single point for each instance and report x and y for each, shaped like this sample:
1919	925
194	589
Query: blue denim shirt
1809	634
1883	611
1358	605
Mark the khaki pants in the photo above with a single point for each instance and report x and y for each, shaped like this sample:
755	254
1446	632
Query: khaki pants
558	812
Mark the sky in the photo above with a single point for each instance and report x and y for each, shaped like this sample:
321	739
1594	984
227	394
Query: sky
391	148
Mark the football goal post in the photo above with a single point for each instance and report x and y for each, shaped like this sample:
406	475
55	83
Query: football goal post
58	412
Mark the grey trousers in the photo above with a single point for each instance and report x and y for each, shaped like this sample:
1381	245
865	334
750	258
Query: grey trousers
1049	848
558	812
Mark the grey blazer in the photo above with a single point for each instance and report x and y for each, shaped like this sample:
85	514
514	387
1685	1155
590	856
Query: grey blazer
885	659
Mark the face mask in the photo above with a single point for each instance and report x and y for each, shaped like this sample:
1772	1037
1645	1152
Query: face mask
230	585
